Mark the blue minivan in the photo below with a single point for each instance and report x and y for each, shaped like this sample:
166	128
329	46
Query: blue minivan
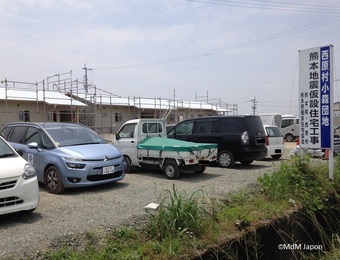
66	154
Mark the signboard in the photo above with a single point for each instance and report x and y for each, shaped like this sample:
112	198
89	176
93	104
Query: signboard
316	97
336	113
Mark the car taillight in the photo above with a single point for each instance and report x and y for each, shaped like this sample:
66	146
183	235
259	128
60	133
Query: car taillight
245	138
267	140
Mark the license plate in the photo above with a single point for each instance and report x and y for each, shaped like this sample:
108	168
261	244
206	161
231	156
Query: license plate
108	169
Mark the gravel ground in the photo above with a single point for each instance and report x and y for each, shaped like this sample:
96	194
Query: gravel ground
79	210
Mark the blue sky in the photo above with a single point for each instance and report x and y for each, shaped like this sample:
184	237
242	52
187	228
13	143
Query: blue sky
220	50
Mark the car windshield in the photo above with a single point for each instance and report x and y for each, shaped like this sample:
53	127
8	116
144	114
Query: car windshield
71	135
5	150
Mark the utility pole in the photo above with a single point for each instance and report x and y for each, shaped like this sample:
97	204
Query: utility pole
254	105
86	85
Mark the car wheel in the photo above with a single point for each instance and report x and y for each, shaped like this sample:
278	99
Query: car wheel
289	138
171	170
276	156
202	169
247	162
127	164
225	159
53	181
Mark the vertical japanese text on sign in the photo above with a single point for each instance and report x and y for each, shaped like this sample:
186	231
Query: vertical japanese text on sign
315	97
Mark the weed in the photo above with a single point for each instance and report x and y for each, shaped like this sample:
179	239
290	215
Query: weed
334	253
178	215
298	180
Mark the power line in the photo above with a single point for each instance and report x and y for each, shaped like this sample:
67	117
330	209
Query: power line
227	48
269	5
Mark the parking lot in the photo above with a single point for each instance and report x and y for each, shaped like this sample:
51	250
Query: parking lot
78	210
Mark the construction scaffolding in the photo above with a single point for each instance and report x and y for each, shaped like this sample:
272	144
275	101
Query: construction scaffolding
59	98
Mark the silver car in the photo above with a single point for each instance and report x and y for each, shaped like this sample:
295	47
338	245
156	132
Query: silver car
66	154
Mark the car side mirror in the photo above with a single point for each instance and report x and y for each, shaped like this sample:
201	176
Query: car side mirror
33	145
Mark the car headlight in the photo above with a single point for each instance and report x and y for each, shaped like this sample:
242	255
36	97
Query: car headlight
74	163
29	172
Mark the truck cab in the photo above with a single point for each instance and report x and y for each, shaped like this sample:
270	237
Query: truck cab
290	127
132	133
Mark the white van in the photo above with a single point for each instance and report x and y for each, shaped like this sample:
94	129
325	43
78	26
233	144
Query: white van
274	141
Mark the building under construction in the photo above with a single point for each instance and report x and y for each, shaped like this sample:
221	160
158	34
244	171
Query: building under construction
61	99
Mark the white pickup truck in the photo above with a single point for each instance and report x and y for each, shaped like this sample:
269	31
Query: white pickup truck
144	142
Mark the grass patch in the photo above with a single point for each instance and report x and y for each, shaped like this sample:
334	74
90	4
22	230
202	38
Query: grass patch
179	215
299	180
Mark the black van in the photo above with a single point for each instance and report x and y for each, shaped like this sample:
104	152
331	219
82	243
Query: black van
239	137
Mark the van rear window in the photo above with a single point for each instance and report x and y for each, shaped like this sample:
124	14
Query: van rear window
232	125
273	131
255	125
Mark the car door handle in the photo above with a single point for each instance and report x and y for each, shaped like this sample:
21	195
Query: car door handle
132	142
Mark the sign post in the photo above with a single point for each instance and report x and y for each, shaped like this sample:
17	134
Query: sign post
316	100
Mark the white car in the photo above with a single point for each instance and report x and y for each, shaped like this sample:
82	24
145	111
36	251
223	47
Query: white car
19	190
274	141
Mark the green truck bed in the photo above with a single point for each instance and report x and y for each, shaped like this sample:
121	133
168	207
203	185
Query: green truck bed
169	144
